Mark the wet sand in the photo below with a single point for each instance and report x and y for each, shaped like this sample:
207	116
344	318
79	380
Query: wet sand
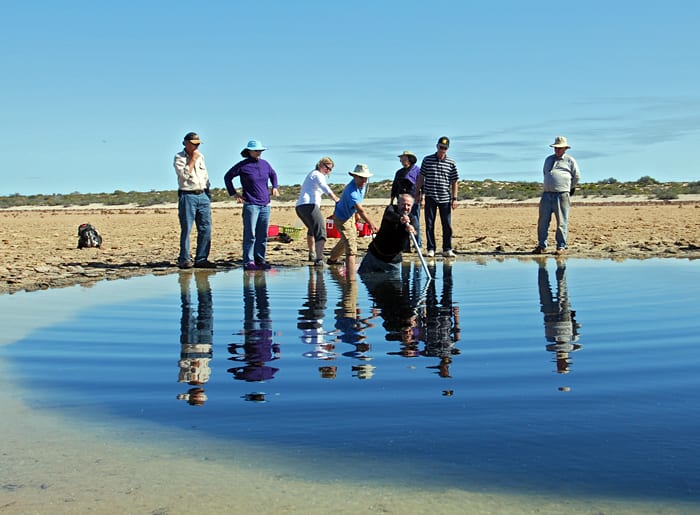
39	245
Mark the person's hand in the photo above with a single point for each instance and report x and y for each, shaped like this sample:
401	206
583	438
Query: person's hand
239	199
275	192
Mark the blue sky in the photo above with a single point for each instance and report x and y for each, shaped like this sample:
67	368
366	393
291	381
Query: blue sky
96	96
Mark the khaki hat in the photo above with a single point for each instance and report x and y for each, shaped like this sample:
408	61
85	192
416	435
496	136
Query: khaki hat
361	171
410	155
560	142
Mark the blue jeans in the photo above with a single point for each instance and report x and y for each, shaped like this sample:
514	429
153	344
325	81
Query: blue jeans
445	209
194	210
558	203
415	219
256	220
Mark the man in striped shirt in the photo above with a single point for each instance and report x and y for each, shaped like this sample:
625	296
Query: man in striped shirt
436	190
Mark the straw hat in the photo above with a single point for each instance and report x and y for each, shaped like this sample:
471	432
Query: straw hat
410	155
560	142
361	171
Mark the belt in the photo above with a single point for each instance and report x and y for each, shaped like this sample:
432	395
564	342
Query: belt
191	192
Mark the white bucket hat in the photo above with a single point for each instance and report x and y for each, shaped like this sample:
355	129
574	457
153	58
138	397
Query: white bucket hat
361	171
560	142
254	145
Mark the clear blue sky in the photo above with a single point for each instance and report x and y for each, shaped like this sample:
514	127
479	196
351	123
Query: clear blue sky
96	96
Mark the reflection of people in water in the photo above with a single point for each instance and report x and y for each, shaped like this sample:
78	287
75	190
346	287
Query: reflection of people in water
257	348
560	326
311	315
440	322
396	301
196	333
349	322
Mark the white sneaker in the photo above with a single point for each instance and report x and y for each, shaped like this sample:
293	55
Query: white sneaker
431	253
449	254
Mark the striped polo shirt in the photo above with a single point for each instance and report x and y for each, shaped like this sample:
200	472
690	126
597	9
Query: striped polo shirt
438	177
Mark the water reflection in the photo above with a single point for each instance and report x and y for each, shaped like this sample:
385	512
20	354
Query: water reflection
310	321
397	298
196	333
560	326
257	349
440	322
350	325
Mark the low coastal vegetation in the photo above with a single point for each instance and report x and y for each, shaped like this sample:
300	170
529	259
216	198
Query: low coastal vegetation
468	190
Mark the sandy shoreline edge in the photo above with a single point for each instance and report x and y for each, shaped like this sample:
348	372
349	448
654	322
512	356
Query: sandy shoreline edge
39	244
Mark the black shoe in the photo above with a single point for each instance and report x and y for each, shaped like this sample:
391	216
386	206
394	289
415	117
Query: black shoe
204	264
185	265
538	250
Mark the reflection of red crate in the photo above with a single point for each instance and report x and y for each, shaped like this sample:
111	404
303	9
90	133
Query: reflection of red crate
331	231
273	230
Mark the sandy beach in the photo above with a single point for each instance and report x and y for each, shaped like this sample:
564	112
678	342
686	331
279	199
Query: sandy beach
39	246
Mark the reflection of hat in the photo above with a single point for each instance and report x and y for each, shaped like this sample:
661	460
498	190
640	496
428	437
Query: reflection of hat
444	141
410	155
361	171
560	142
193	137
363	371
254	145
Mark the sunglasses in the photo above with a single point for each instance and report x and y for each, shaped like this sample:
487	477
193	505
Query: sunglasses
442	147
329	168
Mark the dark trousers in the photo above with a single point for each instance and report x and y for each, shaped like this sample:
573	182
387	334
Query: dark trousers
431	209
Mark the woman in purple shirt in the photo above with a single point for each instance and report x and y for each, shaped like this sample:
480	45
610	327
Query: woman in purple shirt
254	174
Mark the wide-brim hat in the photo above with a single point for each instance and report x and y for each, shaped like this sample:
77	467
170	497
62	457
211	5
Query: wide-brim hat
254	145
410	155
361	171
560	142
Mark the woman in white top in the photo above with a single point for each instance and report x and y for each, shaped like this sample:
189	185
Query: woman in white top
308	208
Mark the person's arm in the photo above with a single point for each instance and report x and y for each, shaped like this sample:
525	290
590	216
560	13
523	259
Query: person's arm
419	189
234	171
575	176
275	184
363	214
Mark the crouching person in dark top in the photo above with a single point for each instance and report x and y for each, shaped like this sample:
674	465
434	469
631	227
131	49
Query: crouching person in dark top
384	252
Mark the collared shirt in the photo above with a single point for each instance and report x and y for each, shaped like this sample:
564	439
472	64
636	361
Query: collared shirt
560	175
313	187
351	196
195	179
438	177
254	174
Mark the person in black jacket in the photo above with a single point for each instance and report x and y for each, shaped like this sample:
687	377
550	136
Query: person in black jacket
384	252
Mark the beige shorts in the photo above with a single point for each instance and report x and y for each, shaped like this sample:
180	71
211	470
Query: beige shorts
348	234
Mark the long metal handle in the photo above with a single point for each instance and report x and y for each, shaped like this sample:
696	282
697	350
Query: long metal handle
420	255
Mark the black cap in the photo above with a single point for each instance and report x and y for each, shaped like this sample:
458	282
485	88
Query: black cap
193	137
444	141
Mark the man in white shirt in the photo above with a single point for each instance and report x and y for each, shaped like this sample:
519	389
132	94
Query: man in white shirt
194	203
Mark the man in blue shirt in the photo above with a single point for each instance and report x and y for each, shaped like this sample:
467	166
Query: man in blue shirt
350	203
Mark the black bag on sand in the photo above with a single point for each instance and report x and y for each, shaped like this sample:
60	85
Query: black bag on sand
88	236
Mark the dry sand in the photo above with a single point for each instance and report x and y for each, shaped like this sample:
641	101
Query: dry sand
39	245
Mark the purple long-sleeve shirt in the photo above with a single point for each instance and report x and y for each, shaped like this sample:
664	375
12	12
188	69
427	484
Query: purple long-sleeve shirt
254	175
